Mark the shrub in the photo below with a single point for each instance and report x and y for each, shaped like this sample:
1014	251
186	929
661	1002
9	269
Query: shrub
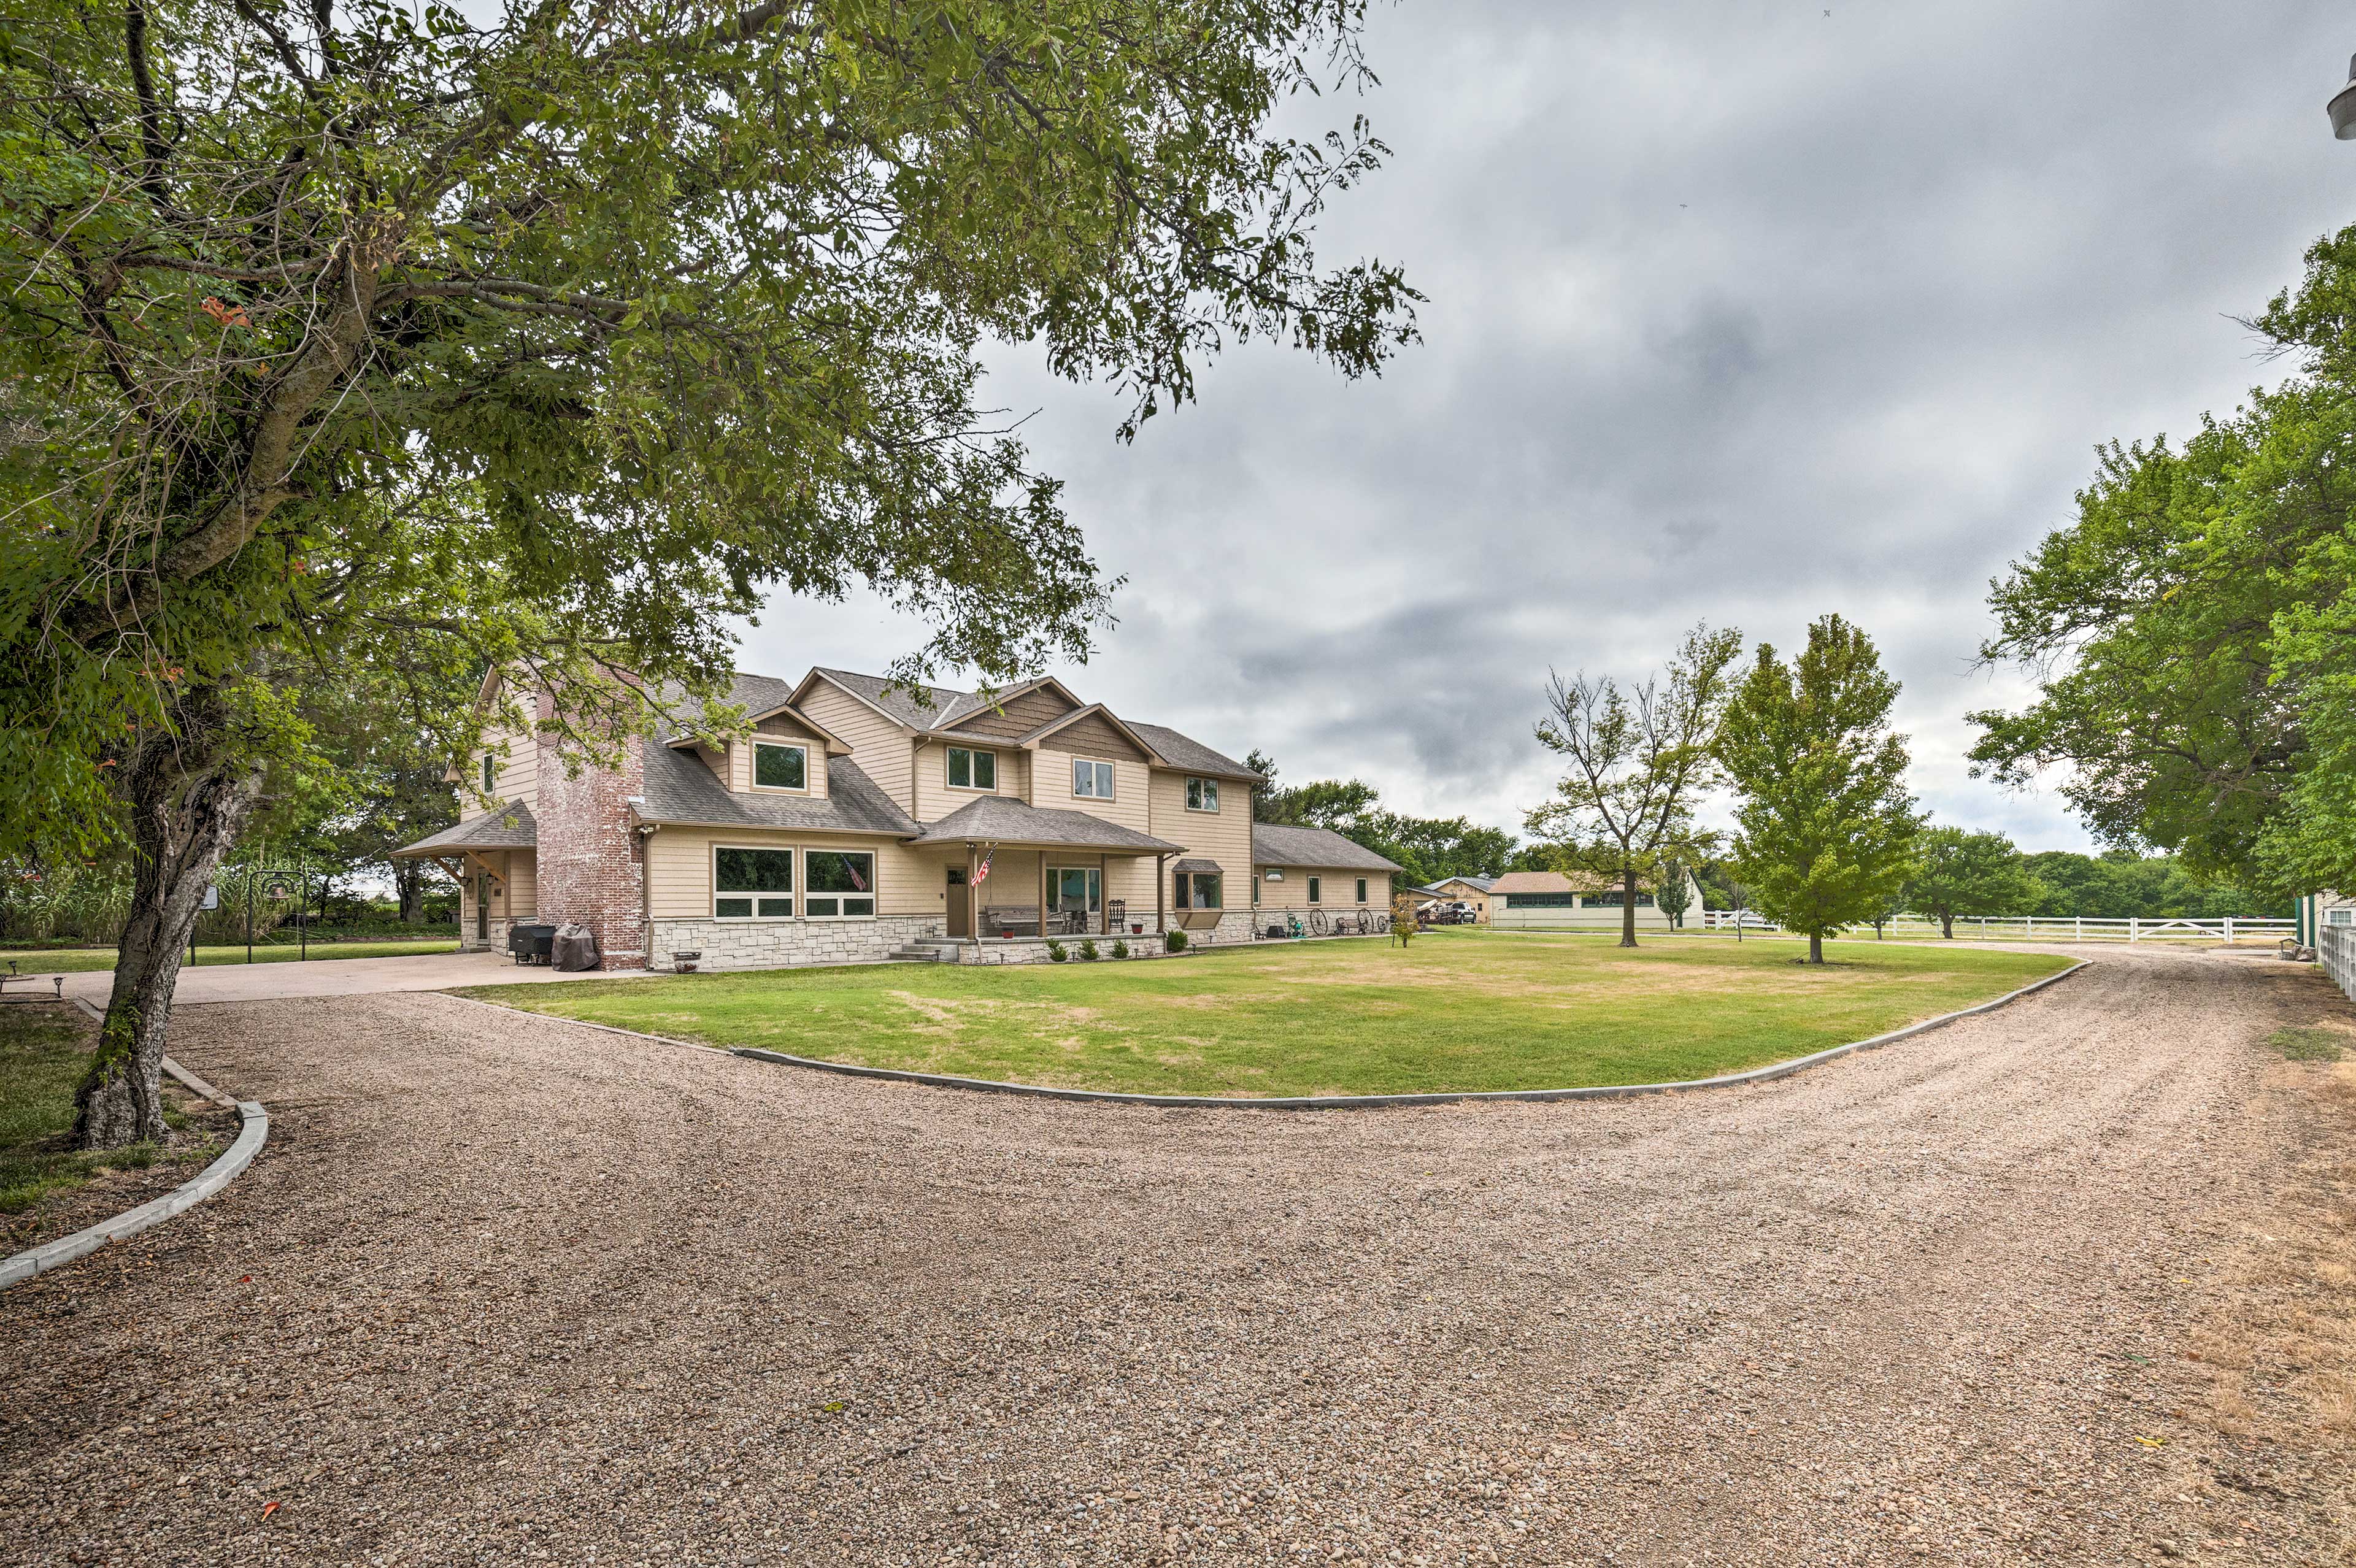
1175	941
1121	949
1055	953
1089	949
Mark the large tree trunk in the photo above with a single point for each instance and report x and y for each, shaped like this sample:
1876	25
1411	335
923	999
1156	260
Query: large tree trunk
187	799
1627	906
409	878
1947	926
1815	948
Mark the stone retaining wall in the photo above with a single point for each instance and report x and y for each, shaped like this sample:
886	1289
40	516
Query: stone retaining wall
783	943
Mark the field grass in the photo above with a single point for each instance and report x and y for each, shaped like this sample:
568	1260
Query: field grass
1359	1017
43	1052
72	960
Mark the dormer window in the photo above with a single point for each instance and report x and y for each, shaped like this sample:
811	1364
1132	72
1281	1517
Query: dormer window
970	769
780	767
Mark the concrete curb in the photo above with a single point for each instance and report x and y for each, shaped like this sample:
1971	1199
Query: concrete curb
1331	1101
253	1133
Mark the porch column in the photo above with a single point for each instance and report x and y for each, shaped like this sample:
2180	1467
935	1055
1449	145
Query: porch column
972	904
1042	894
1104	897
1160	893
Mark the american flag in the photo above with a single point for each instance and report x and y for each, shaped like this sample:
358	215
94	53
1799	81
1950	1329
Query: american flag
981	872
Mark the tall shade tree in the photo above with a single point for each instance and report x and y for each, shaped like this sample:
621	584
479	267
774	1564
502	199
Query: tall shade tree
1958	872
1638	758
1824	826
2193	631
547	338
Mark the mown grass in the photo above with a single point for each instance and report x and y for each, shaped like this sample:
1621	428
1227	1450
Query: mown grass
72	960
2308	1044
43	1053
1341	1017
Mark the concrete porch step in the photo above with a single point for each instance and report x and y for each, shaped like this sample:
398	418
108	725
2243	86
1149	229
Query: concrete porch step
928	950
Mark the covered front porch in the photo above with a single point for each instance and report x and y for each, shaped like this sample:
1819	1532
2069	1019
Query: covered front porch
1013	873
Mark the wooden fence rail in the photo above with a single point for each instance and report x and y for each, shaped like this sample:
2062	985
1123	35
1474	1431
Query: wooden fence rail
2055	928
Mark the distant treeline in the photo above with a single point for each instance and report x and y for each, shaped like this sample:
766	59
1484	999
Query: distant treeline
2115	885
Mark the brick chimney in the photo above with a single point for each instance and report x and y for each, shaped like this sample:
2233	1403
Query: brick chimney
591	865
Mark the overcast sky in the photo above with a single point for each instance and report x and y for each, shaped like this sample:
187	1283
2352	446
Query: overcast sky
1738	312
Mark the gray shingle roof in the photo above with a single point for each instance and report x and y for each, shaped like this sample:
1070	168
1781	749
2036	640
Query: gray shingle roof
1480	882
1009	821
682	788
1320	847
1184	752
508	827
940	707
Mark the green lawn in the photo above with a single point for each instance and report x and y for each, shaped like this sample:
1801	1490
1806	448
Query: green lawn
43	1053
1342	1017
65	960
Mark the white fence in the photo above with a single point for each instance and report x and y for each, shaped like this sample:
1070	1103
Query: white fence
2335	948
2052	928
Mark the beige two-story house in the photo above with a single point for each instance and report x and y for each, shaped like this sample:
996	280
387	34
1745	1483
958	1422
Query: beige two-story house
861	820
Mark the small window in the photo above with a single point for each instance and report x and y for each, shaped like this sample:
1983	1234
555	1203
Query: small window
1202	794
1199	889
841	883
490	771
753	884
2339	917
1093	779
972	770
1313	889
780	767
1362	890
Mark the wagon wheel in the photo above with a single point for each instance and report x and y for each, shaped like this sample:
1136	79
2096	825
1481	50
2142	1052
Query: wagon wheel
1318	924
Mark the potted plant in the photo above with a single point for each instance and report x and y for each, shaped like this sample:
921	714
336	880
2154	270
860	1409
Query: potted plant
1137	928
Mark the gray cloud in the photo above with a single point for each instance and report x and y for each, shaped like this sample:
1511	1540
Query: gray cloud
1738	313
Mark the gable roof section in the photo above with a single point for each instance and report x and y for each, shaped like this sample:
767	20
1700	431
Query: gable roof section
938	709
680	789
1185	752
1318	847
1479	884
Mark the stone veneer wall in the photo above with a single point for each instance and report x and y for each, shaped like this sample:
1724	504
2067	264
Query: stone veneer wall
782	943
591	867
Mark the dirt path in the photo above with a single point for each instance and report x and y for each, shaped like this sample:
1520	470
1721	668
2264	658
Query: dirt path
1929	1303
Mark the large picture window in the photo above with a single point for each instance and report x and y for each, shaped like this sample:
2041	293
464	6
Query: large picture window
1199	889
841	883
1093	779
780	767
971	769
1202	794
751	884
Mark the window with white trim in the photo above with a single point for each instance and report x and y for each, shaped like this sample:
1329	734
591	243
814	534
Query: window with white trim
970	769
751	884
1314	888
1091	780
780	767
1202	794
2340	916
840	884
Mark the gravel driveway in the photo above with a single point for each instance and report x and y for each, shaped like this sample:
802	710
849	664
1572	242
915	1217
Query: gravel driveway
506	1288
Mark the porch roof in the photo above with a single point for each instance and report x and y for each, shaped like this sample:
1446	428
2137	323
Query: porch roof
509	826
999	820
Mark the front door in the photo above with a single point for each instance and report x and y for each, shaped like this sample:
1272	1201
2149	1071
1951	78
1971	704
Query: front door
960	910
482	908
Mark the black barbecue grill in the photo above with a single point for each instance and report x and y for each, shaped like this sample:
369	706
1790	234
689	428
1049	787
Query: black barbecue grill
531	944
